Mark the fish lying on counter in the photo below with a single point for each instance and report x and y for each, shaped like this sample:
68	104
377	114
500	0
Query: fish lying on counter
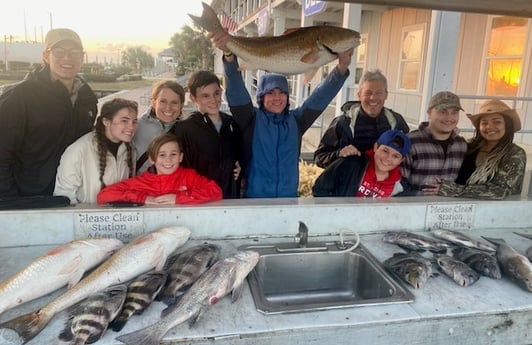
529	250
482	262
462	239
301	50
144	253
514	265
63	265
89	319
223	277
411	241
458	271
185	268
411	267
140	294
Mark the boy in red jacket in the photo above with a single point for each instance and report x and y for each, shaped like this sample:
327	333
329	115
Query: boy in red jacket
165	183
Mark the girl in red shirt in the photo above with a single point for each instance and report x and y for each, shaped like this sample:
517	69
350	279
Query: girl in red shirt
165	183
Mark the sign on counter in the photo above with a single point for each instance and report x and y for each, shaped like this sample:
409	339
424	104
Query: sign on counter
450	217
120	225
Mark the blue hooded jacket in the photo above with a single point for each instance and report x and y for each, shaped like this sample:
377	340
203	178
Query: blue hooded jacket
272	142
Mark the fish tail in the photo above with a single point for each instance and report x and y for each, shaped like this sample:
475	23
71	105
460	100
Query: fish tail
208	21
145	336
27	326
119	323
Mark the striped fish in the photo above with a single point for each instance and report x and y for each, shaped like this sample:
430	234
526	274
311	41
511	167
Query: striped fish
140	293
185	268
89	319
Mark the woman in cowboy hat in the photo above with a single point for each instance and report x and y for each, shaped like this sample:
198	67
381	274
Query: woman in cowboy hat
494	166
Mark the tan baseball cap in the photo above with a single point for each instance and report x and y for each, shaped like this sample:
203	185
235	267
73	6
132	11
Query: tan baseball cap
444	100
55	36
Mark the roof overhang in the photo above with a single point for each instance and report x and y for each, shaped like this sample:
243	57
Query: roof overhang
519	8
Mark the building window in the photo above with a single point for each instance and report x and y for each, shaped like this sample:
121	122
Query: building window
411	60
504	55
362	55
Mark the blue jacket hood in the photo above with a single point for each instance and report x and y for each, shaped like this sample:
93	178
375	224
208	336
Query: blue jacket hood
269	82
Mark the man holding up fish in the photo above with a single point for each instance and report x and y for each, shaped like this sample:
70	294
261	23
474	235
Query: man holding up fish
272	133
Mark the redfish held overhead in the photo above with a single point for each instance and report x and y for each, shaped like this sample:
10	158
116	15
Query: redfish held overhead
300	50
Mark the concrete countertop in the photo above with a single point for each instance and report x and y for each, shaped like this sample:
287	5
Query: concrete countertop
488	312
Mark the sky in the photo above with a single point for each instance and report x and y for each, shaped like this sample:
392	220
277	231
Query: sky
105	26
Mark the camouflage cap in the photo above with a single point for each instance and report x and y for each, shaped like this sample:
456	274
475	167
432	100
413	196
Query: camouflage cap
55	36
444	100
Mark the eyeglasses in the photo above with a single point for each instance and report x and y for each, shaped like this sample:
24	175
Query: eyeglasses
60	53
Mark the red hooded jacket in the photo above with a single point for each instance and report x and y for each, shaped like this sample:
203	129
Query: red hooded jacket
187	184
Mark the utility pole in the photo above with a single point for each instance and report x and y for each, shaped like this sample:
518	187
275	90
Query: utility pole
6	65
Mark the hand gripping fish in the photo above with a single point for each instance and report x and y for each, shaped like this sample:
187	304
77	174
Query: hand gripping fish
301	50
144	253
62	265
223	277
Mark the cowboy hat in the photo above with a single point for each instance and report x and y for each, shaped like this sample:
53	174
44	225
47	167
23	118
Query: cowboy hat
494	106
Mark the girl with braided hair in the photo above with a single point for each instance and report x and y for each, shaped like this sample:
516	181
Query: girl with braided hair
101	157
494	167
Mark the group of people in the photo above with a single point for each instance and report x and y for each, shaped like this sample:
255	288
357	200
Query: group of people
53	142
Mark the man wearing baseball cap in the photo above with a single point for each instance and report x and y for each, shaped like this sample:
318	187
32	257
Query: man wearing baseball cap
437	150
375	174
42	115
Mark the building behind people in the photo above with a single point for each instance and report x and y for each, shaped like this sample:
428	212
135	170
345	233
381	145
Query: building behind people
166	107
101	157
437	150
165	182
374	174
272	133
494	166
212	140
42	115
356	130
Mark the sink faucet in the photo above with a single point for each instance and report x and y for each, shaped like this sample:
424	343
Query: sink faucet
302	236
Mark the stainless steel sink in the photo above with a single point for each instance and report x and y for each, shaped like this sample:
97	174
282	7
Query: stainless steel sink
318	276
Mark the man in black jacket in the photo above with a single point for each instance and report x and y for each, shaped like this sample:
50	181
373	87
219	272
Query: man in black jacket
362	122
42	115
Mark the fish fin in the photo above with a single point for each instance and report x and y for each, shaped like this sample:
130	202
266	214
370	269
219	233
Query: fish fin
529	236
159	258
27	326
170	299
195	318
168	309
119	323
309	75
311	57
236	293
145	336
496	241
208	21
66	334
74	272
290	30
243	65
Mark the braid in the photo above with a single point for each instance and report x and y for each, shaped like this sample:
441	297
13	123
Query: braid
99	133
130	159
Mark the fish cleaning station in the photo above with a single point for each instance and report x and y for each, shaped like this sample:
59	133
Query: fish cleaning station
489	311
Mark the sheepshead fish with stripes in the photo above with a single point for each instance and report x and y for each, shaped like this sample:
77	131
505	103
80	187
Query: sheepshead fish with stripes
410	241
411	267
89	319
185	268
482	262
140	293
